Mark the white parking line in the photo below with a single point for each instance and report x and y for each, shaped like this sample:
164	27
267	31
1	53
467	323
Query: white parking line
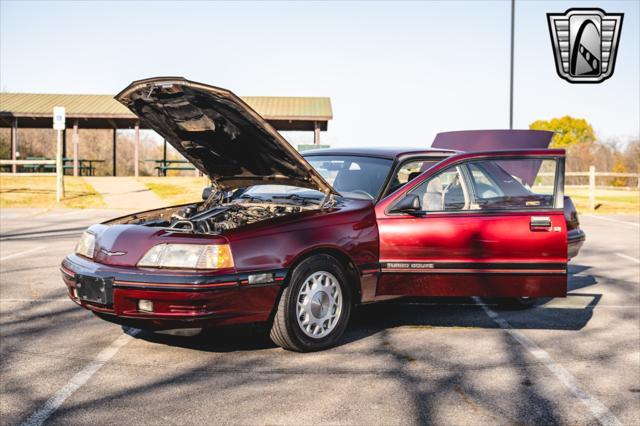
22	253
637	225
35	300
64	233
56	215
76	382
624	256
599	410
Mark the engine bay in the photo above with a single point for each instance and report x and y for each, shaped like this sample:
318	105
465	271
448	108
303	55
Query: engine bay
199	219
230	216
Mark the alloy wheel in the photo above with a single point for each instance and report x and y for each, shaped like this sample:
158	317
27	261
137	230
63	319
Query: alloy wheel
319	304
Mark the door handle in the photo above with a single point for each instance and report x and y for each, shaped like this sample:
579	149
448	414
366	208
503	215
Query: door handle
538	222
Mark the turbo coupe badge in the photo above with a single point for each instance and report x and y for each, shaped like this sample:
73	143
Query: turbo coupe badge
585	43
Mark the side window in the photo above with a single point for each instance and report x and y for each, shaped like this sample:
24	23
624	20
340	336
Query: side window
483	185
512	184
407	172
443	192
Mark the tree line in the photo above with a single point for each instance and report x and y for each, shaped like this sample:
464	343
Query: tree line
94	144
575	135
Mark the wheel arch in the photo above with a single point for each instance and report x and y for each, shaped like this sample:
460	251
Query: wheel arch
343	258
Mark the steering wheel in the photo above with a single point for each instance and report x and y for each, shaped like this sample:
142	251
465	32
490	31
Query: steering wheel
360	191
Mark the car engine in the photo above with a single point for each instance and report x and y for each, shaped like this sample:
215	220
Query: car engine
230	216
200	218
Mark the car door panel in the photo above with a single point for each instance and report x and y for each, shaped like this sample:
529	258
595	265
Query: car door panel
474	255
474	252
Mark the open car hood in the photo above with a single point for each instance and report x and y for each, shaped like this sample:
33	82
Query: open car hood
219	133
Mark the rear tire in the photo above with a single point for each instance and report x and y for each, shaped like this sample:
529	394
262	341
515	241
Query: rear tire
314	309
517	303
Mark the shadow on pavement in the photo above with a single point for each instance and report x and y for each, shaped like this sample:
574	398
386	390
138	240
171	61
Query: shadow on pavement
252	375
418	313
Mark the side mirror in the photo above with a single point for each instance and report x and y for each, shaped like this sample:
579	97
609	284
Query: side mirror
206	193
409	204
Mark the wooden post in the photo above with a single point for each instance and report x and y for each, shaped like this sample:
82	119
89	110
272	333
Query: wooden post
316	133
164	158
14	144
592	187
64	144
59	169
114	152
136	149
74	139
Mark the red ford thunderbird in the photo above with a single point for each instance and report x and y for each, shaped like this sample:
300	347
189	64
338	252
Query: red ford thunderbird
298	241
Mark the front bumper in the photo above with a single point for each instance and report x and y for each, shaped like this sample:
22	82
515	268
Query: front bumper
180	299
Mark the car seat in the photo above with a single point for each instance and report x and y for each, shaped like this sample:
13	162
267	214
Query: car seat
432	199
413	175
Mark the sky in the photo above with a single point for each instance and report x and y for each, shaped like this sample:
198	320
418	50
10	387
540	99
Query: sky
397	73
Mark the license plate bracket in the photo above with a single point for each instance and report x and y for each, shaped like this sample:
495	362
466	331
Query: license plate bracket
95	289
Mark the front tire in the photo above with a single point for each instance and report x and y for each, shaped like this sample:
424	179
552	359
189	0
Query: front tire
314	308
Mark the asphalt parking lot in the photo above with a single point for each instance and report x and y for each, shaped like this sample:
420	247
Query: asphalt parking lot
574	360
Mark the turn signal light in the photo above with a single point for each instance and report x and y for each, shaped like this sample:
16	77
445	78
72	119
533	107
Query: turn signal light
145	305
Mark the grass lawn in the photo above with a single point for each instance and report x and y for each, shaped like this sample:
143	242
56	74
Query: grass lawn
176	189
610	201
40	191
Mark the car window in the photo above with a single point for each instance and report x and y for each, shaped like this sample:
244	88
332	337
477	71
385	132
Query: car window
483	184
353	176
407	172
442	192
512	184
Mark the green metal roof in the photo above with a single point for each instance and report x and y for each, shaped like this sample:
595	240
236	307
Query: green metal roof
289	107
104	106
38	105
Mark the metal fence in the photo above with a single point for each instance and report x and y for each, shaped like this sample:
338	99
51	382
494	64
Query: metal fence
592	176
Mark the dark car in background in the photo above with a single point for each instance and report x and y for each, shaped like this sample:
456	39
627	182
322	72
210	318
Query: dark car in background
298	241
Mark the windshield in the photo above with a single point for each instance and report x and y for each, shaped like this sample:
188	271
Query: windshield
352	176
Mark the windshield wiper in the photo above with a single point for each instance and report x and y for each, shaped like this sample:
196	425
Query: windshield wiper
295	197
251	198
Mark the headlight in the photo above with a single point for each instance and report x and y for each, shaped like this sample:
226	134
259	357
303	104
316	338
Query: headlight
191	256
86	245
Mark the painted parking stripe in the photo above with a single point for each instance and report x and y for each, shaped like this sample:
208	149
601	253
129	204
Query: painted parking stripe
637	225
44	234
599	410
76	212
624	256
76	382
22	253
35	300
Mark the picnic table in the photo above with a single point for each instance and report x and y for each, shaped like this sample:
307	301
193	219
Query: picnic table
83	168
92	168
165	165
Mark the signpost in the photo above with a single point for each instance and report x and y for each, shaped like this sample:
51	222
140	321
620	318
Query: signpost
59	125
